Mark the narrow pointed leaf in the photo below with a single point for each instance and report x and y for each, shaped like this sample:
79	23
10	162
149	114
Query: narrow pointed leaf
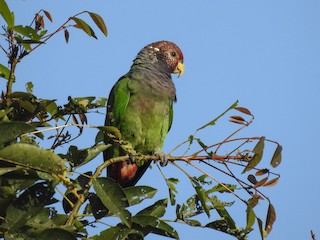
271	217
260	223
272	182
84	26
137	194
33	157
48	15
250	217
201	194
276	158
113	198
66	35
213	122
157	226
257	157
157	209
243	110
6	14
4	71
99	22
261	182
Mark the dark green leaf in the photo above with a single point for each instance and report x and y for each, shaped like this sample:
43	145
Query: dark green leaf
158	226
29	87
192	222
99	22
56	233
213	122
276	158
6	14
9	131
27	105
157	209
171	182
201	194
113	198
33	157
224	214
137	194
84	26
257	157
4	71
119	233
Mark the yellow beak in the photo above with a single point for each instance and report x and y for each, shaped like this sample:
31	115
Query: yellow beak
179	69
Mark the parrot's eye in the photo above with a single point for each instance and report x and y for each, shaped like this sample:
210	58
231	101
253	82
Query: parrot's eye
173	54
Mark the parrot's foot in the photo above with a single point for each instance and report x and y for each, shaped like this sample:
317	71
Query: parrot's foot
132	158
163	158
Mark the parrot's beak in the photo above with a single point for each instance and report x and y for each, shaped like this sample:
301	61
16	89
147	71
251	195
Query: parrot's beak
179	69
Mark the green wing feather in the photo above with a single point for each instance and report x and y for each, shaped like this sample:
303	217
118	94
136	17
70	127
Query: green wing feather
118	102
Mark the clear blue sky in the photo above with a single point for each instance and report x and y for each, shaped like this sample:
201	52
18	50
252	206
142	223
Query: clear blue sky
265	54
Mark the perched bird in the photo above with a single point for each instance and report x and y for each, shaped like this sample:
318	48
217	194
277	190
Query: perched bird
140	106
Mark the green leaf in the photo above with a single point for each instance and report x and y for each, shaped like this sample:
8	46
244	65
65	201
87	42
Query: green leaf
29	87
113	198
213	122
6	14
158	226
276	158
10	131
201	194
137	194
84	26
119	233
257	157
56	233
157	209
225	215
4	71
99	22
250	217
171	182
27	32
33	157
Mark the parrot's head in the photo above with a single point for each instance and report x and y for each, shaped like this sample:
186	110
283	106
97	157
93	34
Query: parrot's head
167	55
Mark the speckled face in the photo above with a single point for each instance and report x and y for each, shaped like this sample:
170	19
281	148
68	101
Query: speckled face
168	52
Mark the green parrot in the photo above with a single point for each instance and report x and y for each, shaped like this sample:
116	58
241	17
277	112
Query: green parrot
140	106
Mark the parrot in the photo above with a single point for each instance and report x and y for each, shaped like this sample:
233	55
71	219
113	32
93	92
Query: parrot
140	106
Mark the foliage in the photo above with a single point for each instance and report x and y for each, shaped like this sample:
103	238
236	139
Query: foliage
30	174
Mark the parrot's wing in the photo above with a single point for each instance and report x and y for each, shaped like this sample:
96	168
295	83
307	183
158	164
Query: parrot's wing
117	102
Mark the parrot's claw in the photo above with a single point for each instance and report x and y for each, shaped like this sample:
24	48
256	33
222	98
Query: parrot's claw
163	158
132	158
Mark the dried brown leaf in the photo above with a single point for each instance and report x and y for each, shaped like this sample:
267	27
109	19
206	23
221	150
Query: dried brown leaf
252	179
261	182
48	15
262	172
271	217
276	158
238	118
272	182
244	110
236	121
66	35
257	196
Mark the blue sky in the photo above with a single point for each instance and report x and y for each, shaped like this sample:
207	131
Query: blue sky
265	54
